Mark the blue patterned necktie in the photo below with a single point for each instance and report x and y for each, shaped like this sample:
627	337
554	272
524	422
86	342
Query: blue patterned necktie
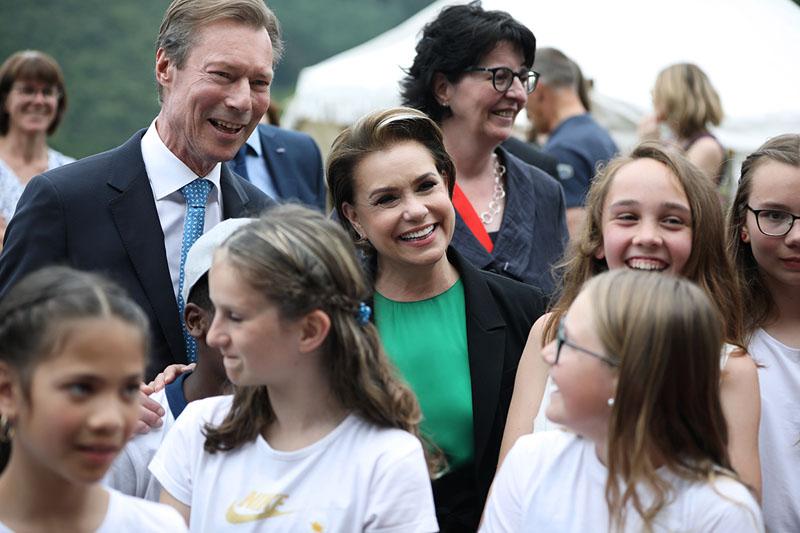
196	194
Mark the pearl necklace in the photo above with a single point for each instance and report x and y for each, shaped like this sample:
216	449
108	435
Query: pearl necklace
499	192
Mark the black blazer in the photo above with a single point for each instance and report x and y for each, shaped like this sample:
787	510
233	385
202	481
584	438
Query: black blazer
500	313
98	214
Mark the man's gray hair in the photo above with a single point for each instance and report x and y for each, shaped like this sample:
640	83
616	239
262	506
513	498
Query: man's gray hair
556	69
184	18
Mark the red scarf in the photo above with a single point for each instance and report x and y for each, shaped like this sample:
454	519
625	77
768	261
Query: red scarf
471	218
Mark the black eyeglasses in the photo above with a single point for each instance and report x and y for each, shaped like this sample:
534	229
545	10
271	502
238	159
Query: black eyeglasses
503	78
561	340
773	222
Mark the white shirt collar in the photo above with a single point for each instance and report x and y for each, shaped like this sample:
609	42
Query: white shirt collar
167	173
254	142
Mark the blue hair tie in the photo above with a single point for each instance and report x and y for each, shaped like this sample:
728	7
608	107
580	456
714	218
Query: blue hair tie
364	312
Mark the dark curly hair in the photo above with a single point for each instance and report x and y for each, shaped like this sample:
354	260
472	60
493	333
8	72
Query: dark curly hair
456	40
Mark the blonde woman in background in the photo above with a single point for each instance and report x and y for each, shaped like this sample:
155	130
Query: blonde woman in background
688	105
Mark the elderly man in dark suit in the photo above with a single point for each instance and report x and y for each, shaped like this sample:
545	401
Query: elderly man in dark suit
133	212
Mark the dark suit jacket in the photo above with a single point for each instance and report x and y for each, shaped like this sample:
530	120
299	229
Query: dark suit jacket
295	165
532	155
533	234
500	313
98	214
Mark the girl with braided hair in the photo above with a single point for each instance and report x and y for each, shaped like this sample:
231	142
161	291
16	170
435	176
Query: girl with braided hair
320	434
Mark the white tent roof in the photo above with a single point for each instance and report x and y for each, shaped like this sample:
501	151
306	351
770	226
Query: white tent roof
749	49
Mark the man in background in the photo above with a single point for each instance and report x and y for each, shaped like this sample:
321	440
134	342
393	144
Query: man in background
557	109
284	164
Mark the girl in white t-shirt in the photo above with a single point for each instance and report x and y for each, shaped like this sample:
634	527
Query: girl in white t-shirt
320	434
764	237
651	210
72	355
635	364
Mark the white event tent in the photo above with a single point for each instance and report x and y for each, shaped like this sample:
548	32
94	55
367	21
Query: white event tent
749	49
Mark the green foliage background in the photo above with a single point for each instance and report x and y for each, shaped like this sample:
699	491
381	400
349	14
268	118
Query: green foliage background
106	50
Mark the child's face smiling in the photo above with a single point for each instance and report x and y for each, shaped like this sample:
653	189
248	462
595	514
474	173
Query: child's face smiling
646	220
83	401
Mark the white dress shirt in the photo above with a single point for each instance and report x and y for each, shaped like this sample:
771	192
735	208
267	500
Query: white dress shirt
167	175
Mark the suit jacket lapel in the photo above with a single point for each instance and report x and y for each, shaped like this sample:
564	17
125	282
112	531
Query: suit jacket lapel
275	155
486	339
235	200
135	216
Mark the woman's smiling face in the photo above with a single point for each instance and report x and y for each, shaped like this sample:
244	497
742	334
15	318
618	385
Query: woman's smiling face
478	109
402	206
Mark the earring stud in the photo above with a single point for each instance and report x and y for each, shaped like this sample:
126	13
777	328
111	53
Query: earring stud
6	428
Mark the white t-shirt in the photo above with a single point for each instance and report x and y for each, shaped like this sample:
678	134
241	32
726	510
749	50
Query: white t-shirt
553	481
779	432
126	513
359	477
129	474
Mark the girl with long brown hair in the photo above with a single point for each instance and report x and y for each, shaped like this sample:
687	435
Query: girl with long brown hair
652	210
320	434
637	375
764	238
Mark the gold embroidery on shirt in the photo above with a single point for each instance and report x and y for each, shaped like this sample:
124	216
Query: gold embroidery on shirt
263	506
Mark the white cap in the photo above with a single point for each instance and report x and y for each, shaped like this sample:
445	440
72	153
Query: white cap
201	254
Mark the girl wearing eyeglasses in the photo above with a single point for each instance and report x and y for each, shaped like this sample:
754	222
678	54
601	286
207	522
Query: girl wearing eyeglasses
653	211
764	238
472	76
32	102
635	366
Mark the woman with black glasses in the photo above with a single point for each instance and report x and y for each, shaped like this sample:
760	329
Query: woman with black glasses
472	75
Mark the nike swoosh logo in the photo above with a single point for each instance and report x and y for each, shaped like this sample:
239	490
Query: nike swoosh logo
269	509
